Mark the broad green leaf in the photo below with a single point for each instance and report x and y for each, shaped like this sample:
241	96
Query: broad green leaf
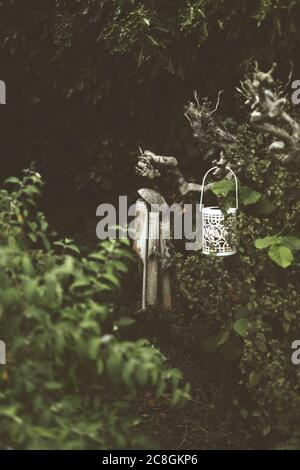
281	255
249	196
291	242
223	188
265	207
262	243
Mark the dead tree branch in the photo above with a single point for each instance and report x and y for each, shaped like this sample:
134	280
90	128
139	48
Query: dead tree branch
268	113
152	166
207	130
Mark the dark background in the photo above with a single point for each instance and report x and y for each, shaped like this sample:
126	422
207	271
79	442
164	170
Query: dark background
90	81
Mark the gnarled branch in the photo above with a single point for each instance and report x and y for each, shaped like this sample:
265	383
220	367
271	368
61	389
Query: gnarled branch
153	166
268	113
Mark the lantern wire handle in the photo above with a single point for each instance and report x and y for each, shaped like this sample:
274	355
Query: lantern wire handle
236	185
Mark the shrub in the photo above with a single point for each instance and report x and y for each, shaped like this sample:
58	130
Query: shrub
245	308
71	377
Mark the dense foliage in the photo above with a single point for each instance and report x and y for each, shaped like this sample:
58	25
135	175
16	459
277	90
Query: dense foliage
246	309
71	375
88	82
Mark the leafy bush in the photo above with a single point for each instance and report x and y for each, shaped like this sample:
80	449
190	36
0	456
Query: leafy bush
245	308
70	379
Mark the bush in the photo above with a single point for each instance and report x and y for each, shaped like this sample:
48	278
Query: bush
71	377
245	308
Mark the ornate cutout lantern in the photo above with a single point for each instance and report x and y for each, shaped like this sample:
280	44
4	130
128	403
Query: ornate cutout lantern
219	227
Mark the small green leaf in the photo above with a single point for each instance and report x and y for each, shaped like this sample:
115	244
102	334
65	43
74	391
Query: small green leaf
93	348
176	397
266	430
240	326
223	338
12	180
82	282
262	346
125	321
253	378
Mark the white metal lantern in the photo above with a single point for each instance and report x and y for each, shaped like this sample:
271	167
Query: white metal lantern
219	228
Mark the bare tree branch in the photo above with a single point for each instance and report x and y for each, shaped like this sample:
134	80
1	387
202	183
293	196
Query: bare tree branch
268	113
153	166
205	127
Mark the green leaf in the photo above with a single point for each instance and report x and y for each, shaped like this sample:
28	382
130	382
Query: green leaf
12	180
281	255
223	188
253	378
242	312
125	321
176	396
262	346
240	326
93	348
53	385
160	388
262	243
249	196
82	282
265	207
223	338
112	278
266	430
291	242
